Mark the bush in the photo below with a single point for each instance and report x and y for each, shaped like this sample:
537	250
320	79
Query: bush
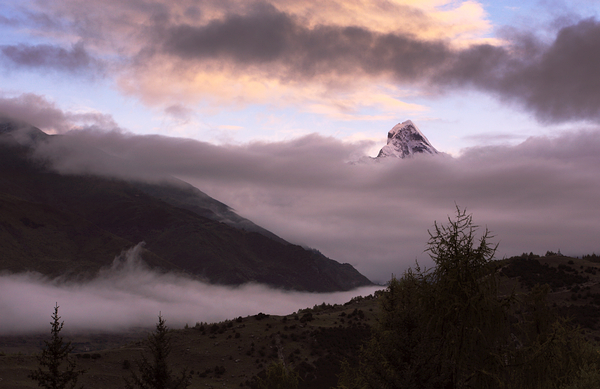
278	377
261	316
306	317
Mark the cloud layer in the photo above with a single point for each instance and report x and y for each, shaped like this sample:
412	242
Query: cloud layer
36	110
129	295
315	56
539	195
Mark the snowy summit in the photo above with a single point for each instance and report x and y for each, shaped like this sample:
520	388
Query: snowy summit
405	140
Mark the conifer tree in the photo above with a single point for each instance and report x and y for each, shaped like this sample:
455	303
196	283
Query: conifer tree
465	314
449	328
52	372
154	372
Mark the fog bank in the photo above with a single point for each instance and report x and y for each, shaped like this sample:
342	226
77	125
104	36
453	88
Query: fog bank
129	294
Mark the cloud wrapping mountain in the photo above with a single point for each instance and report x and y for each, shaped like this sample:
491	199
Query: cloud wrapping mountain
535	196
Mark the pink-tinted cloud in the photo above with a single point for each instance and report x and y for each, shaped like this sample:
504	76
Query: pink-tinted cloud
537	196
557	82
38	111
310	55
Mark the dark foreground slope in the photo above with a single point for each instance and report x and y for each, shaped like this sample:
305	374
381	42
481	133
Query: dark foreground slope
56	224
312	342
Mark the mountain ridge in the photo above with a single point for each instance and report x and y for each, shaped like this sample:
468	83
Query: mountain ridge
103	216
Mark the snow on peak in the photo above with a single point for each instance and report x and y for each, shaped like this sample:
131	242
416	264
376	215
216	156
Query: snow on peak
405	140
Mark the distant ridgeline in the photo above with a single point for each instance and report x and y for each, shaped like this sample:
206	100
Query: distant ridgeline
75	224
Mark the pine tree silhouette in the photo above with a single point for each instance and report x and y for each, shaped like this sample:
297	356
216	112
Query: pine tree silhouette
155	373
50	374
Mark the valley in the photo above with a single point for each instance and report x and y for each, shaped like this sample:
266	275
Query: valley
311	341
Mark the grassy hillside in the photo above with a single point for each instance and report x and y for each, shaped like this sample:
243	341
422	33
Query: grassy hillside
227	354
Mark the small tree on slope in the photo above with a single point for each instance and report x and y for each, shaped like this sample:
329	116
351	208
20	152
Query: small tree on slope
155	373
50	374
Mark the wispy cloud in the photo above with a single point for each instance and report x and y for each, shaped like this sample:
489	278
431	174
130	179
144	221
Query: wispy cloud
75	60
38	111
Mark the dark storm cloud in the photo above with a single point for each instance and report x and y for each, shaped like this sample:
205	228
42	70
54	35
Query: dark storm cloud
539	195
557	81
259	37
557	78
270	37
51	57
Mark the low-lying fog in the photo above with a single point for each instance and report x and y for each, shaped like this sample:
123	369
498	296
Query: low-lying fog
129	294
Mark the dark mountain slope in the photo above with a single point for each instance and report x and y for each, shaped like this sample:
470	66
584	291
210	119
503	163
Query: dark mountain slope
38	237
68	223
183	195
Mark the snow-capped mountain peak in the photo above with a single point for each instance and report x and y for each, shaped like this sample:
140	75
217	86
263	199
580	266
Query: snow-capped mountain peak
405	140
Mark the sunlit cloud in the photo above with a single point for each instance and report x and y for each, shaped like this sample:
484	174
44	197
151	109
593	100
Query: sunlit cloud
231	54
132	37
463	22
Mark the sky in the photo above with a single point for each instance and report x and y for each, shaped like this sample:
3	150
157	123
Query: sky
273	106
234	71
